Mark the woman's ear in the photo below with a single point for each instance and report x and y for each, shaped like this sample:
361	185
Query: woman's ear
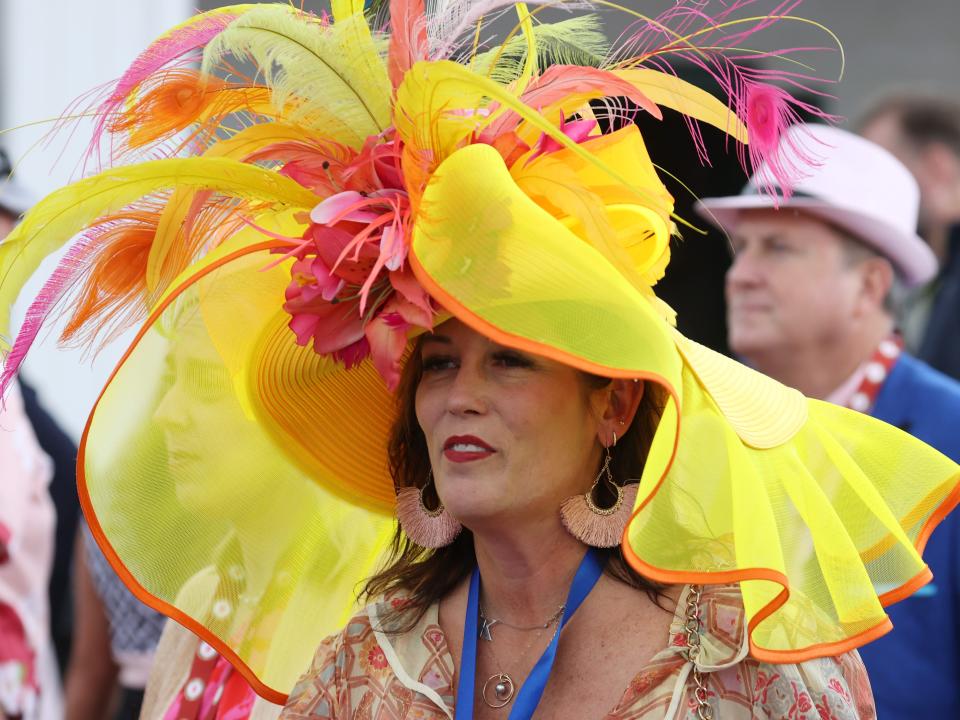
623	399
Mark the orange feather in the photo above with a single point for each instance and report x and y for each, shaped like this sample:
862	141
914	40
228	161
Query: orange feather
408	37
182	97
113	291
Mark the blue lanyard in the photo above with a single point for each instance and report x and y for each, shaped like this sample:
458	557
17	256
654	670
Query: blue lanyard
589	572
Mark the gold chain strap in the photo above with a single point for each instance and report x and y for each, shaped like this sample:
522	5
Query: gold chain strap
693	626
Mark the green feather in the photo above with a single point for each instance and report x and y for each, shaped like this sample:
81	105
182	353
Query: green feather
331	78
575	41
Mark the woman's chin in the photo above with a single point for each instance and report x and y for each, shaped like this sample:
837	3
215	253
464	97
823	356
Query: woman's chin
474	500
480	513
491	516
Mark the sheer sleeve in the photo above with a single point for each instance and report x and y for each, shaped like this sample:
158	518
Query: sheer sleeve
833	688
319	693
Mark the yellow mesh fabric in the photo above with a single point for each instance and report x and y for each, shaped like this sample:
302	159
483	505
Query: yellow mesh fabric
766	416
484	244
200	508
784	494
594	205
319	430
833	515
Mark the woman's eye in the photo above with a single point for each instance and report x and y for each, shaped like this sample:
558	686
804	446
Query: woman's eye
205	381
512	360
437	363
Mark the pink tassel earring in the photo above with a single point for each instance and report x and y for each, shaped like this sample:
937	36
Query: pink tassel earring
594	525
427	528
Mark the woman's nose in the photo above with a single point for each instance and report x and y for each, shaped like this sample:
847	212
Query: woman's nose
469	392
171	412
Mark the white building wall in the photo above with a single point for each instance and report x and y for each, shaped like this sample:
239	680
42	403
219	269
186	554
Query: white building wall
51	53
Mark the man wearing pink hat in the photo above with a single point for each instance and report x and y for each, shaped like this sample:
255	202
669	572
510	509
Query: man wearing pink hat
808	303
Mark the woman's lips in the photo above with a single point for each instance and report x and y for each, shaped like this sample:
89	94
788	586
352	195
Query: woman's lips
466	448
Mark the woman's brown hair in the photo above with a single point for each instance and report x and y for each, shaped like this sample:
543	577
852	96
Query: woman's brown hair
426	575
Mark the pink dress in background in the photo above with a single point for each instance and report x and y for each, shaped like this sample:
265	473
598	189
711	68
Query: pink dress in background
29	683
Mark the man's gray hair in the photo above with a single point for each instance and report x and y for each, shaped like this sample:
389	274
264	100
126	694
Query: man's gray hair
855	251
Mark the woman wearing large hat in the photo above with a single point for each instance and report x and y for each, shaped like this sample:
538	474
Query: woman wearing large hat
427	287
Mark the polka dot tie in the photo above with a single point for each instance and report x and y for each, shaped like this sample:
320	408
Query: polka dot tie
875	372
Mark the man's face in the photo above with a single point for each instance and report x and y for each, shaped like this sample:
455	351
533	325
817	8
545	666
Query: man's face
790	285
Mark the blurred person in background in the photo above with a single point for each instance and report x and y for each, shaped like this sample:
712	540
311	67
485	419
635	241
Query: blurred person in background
240	596
57	445
106	632
190	680
114	641
29	682
29	677
923	132
808	303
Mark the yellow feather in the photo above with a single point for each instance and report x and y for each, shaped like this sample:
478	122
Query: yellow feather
672	92
343	9
238	147
431	89
169	229
530	65
318	73
255	137
66	212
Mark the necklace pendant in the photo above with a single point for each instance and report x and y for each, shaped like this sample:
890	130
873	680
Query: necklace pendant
485	626
498	690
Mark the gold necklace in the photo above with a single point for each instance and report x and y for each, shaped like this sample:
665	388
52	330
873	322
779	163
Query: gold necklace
487	623
500	688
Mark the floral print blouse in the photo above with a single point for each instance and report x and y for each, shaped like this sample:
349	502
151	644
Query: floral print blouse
365	674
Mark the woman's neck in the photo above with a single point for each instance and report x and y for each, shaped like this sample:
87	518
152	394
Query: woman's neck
264	537
526	573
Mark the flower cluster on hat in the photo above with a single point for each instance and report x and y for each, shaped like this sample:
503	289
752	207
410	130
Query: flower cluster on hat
352	294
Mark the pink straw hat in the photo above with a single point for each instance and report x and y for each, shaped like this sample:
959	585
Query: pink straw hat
851	183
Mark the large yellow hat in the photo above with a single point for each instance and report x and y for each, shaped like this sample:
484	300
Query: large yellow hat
307	223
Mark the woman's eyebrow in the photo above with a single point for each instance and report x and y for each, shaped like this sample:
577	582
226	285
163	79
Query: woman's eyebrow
433	338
